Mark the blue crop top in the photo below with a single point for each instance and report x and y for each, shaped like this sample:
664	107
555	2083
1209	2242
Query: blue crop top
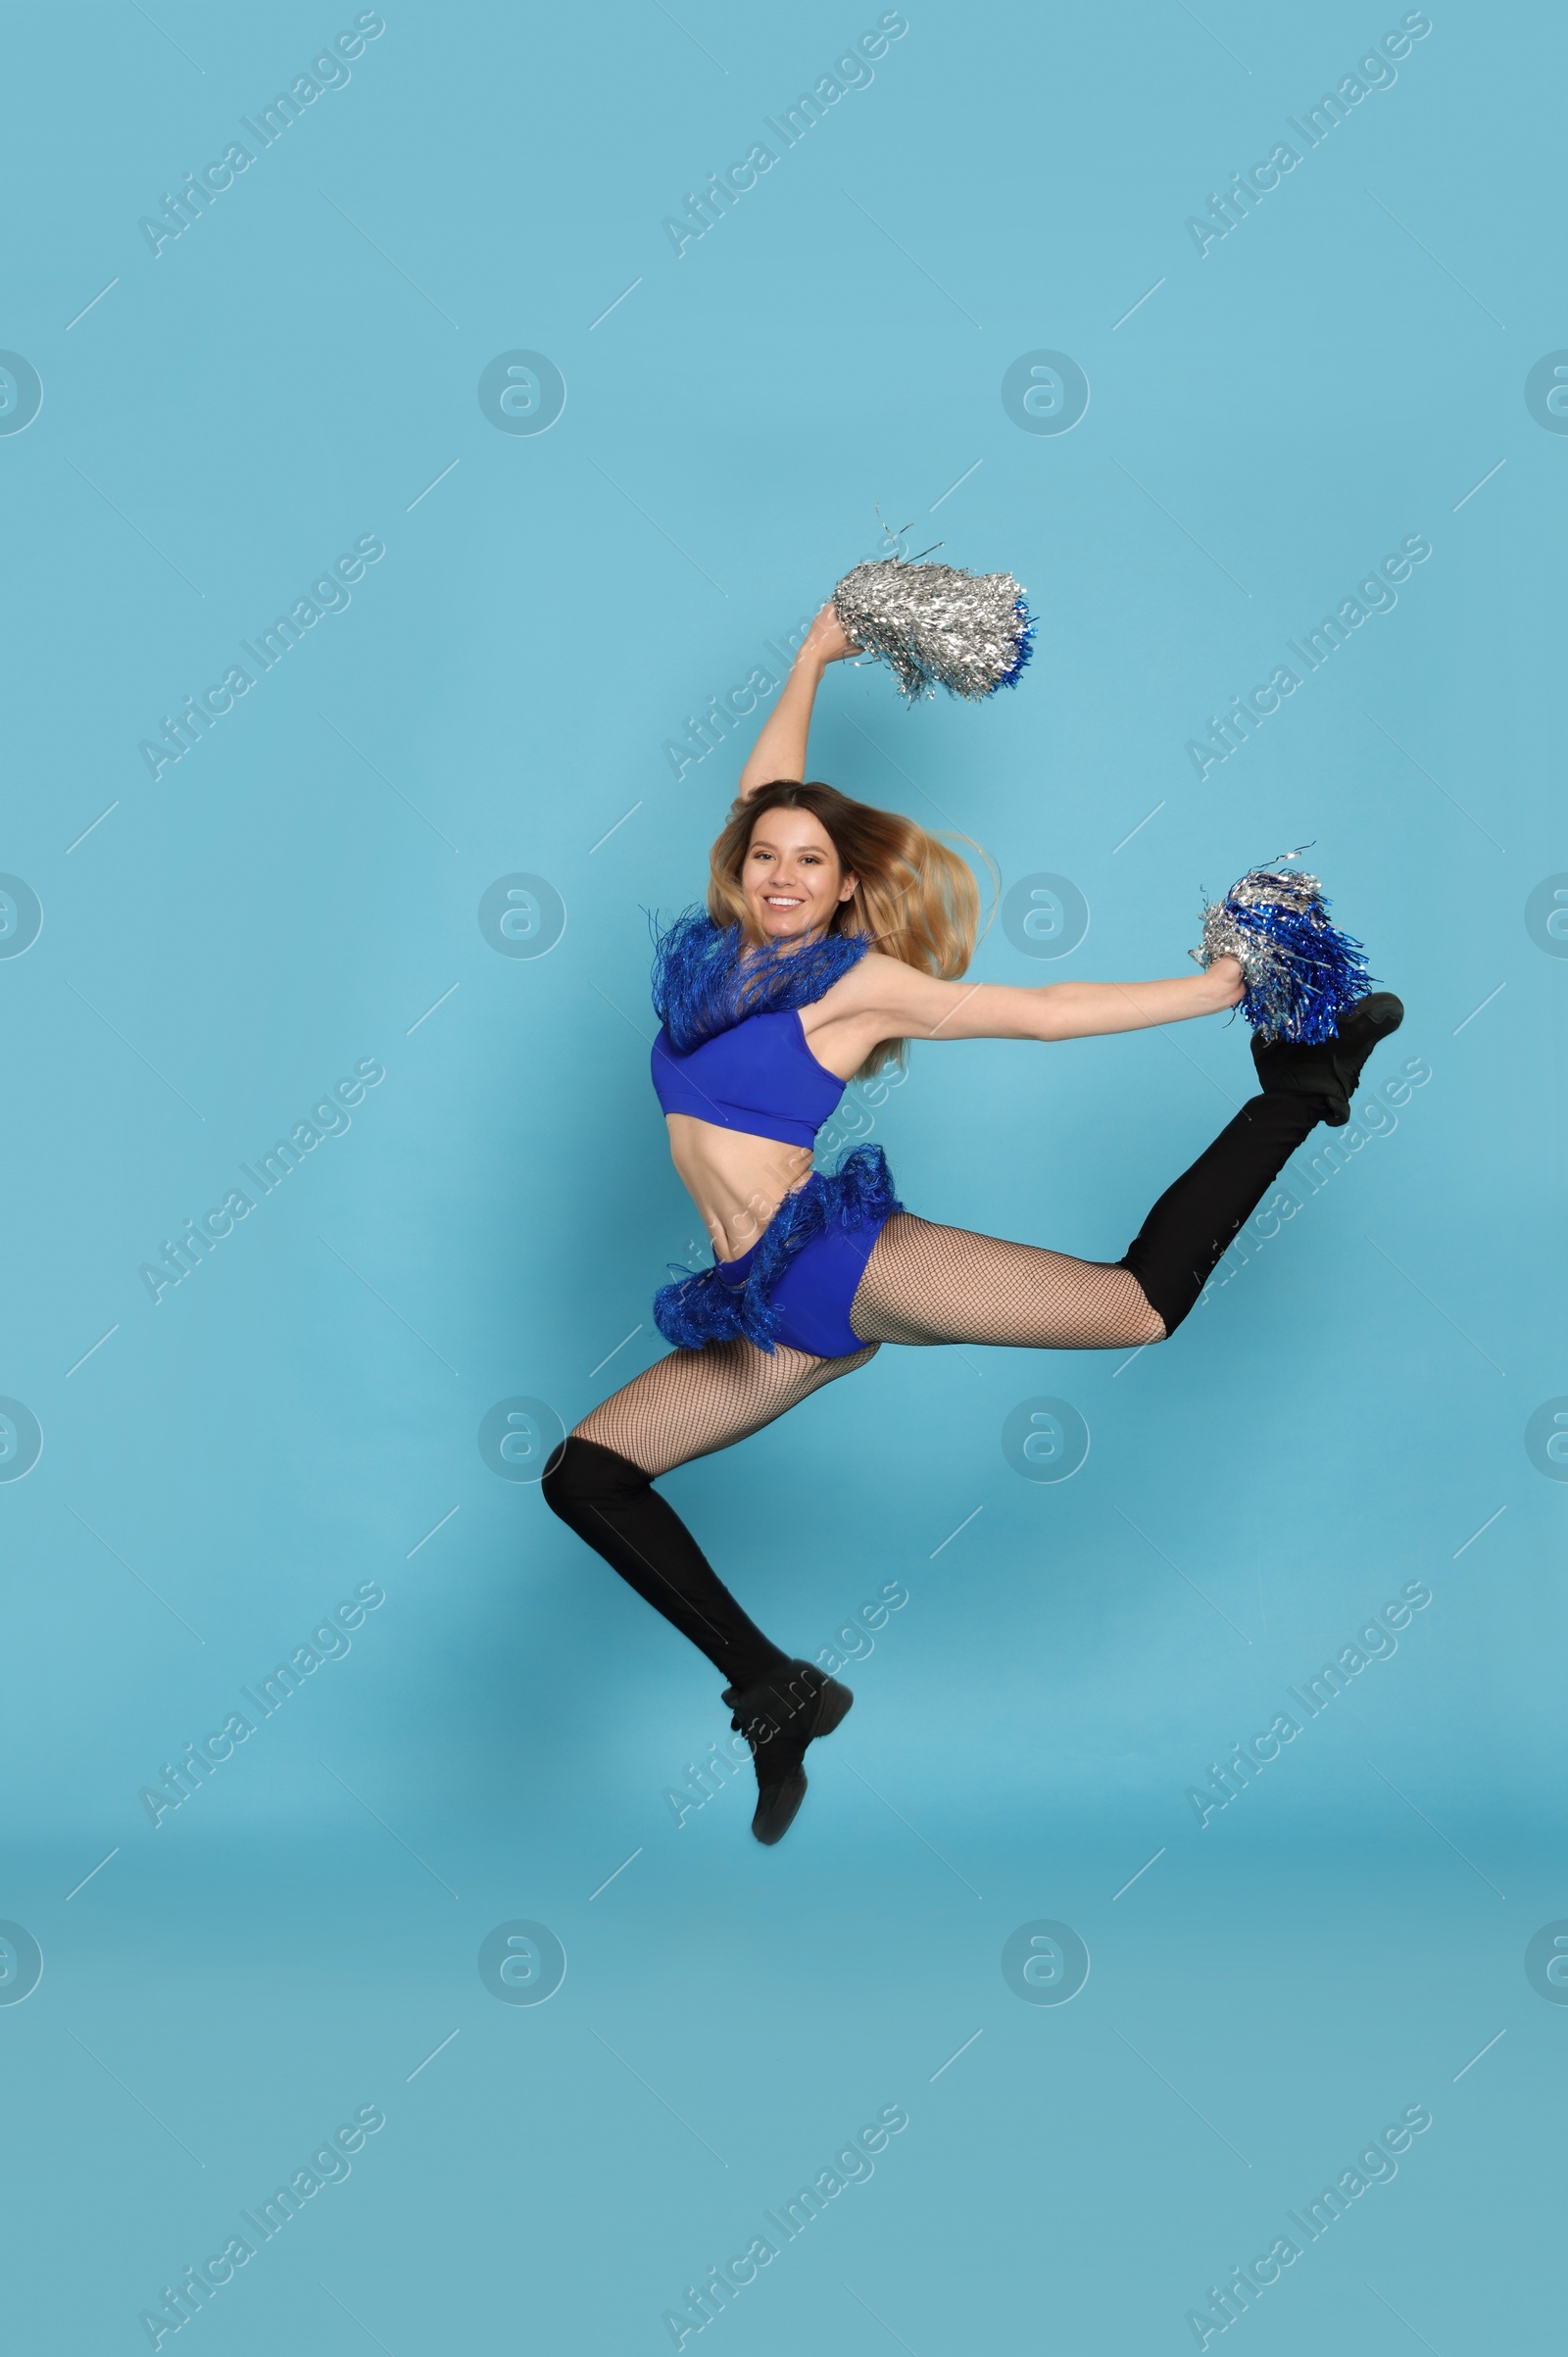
758	1076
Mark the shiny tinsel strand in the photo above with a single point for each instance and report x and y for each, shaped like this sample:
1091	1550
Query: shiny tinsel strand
936	625
1301	973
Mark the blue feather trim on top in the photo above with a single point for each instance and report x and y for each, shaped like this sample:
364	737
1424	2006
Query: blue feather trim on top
700	1307
707	980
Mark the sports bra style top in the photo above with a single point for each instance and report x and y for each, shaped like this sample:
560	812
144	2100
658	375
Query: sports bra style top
759	1077
731	1048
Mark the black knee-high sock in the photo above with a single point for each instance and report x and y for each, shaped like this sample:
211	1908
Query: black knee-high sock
612	1504
1175	1251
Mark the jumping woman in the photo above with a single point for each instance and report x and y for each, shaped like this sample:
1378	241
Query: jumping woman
834	934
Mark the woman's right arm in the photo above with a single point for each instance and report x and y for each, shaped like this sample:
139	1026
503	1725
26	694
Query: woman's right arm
780	747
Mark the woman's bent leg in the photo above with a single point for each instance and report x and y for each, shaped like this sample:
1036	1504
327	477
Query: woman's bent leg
600	1482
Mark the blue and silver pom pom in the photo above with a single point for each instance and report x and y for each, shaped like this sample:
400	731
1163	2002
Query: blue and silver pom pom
1302	973
935	626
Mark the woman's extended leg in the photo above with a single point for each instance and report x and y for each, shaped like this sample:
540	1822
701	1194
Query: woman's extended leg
600	1482
928	1284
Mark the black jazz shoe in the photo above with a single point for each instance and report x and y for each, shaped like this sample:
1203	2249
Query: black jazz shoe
1330	1070
778	1717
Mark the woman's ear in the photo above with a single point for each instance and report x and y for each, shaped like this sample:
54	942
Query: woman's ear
848	888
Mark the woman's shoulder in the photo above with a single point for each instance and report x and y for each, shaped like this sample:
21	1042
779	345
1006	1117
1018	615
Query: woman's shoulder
876	981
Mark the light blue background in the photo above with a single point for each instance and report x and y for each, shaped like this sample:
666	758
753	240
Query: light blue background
291	1421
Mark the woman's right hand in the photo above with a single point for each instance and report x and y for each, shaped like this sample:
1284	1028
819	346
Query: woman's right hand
780	749
825	641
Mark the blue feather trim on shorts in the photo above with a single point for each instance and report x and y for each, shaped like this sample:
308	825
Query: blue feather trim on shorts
700	1307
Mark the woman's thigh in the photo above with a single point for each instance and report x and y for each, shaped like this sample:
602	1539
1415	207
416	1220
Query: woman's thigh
695	1402
930	1284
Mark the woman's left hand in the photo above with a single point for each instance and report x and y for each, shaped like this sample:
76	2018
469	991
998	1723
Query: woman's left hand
1229	981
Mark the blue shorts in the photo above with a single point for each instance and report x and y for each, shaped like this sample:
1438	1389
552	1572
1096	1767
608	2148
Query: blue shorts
813	1293
796	1284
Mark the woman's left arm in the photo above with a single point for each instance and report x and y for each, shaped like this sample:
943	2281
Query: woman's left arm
914	1005
1076	1010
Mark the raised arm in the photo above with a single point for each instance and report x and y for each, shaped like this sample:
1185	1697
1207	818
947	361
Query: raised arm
882	999
780	747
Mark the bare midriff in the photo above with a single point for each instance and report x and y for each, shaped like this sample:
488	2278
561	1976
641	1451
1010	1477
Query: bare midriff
736	1181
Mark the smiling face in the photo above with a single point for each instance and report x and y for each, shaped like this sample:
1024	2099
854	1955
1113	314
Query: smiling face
792	877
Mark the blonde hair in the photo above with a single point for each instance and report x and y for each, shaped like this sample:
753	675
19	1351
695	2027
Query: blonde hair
913	898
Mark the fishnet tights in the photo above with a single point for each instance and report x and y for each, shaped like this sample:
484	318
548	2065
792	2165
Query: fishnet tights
929	1284
923	1283
695	1402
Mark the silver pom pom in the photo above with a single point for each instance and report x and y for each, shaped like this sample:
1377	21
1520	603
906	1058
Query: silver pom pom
936	625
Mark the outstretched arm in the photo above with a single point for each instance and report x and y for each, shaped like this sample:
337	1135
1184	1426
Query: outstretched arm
780	749
882	999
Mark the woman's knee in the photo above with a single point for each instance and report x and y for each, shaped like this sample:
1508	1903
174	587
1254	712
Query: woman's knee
582	1474
1144	1324
558	1484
